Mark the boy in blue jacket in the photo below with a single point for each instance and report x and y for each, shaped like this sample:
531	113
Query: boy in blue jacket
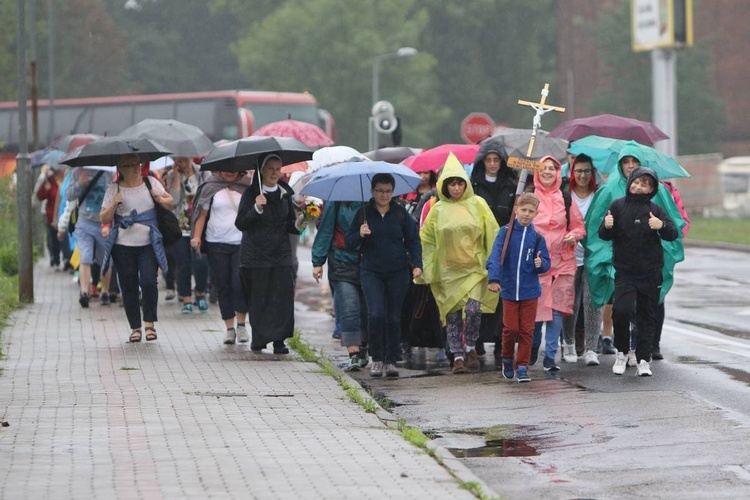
517	280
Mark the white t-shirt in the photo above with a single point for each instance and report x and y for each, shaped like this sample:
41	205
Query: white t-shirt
133	198
583	206
221	228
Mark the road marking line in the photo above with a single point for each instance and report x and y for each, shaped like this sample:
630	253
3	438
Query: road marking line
710	341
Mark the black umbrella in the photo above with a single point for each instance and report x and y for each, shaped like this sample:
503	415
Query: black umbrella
395	154
108	150
182	139
243	154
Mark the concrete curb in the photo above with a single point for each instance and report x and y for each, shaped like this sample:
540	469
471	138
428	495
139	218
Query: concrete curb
442	455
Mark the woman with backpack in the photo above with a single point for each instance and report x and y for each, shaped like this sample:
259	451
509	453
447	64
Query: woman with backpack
561	224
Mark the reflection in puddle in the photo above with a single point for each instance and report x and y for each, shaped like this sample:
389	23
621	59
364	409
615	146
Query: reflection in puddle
738	375
497	448
694	360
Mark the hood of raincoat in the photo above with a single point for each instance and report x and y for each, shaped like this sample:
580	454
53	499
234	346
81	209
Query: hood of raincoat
628	150
490	146
640	172
538	186
453	168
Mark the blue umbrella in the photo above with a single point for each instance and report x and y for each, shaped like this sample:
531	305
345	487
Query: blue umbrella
605	152
351	181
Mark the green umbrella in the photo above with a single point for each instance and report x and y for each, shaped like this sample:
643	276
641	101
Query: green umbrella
605	152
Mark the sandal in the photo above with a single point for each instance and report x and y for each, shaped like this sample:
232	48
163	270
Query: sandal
135	335
150	333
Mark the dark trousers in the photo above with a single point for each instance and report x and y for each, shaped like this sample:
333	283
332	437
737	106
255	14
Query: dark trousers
54	246
384	294
169	276
189	264
136	267
636	299
224	261
518	326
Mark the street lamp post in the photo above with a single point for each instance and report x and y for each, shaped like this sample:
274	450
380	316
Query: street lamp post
402	52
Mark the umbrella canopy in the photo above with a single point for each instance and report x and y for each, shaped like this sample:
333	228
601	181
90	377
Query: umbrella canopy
68	143
351	181
395	154
515	142
243	154
613	126
433	159
311	135
325	157
605	153
182	139
107	150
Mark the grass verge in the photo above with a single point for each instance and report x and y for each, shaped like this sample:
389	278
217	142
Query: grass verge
720	230
308	354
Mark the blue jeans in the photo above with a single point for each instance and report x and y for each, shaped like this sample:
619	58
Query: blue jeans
384	294
551	336
136	267
351	312
189	264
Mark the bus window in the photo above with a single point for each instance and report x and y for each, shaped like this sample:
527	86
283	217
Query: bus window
161	110
265	113
198	113
111	119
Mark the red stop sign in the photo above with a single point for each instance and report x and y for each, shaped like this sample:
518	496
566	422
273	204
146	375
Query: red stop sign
476	127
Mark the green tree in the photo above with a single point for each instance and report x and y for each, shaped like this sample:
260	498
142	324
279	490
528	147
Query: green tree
490	53
8	51
178	45
700	113
327	47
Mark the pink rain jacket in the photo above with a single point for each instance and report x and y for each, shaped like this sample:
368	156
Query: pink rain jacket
551	221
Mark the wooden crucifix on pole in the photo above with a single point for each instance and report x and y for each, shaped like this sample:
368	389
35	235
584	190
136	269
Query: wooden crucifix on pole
526	164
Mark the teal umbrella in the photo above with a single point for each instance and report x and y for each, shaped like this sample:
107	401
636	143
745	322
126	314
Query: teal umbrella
605	152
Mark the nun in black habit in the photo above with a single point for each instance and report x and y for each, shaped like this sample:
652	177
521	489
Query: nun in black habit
266	217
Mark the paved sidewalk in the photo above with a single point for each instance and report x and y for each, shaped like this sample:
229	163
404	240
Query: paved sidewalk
93	416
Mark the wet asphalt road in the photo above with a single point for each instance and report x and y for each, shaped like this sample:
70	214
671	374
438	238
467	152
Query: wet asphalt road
586	433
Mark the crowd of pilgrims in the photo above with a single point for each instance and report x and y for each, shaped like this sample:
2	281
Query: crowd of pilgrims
431	269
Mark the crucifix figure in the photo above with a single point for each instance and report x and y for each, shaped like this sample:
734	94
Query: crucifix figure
526	164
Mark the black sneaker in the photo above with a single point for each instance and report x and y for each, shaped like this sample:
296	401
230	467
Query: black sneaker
83	299
104	300
656	354
280	348
550	365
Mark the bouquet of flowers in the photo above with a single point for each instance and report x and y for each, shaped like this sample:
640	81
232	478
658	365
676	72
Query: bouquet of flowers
309	205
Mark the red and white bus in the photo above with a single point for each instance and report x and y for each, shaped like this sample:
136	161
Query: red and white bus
229	115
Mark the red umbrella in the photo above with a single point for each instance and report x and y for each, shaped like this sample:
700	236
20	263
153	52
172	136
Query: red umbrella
311	135
433	159
300	166
68	143
612	126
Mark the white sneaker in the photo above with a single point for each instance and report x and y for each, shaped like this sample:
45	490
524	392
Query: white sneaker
231	334
591	359
242	335
632	360
644	370
569	353
620	363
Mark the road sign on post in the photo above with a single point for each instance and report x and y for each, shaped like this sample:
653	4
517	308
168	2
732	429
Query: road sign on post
476	127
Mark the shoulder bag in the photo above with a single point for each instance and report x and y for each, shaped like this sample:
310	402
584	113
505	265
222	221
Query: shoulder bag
167	221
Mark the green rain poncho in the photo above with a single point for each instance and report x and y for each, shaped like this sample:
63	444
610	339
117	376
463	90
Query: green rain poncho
457	239
598	253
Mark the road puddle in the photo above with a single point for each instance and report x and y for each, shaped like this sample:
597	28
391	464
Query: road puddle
497	448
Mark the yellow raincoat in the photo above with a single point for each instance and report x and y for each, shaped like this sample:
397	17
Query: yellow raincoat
457	239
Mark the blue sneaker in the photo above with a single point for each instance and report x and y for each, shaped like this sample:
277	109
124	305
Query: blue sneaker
202	305
523	374
187	308
508	372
